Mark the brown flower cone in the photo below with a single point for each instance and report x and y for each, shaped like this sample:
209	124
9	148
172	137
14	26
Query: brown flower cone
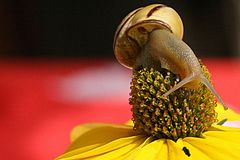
185	112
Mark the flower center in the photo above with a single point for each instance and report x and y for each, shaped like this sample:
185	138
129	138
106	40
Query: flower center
185	112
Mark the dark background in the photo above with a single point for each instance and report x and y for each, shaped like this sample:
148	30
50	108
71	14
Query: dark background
68	28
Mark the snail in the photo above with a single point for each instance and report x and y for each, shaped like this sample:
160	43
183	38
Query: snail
153	34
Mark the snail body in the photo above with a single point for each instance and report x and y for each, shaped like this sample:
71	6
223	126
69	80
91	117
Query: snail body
153	34
179	58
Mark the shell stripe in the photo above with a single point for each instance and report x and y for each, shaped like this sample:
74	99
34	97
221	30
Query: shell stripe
154	9
150	21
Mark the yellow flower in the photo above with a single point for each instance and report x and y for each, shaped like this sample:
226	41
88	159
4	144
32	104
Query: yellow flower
120	142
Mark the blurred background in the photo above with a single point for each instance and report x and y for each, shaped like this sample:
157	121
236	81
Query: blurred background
59	28
58	69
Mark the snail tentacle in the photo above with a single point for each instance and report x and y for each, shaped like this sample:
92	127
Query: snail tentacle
180	84
205	81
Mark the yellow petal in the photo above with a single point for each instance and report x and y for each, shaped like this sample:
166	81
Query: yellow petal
150	151
217	145
131	155
229	114
175	150
227	133
89	136
128	156
97	133
116	153
126	151
83	128
81	153
194	152
163	154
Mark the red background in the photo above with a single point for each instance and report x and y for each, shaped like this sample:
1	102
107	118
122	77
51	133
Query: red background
37	113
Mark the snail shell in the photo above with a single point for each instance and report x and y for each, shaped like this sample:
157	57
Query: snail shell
132	34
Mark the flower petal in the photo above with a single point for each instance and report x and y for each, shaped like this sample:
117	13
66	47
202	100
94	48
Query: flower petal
227	133
83	128
194	152
120	143
116	153
175	150
151	150
230	114
97	133
90	136
218	144
125	152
